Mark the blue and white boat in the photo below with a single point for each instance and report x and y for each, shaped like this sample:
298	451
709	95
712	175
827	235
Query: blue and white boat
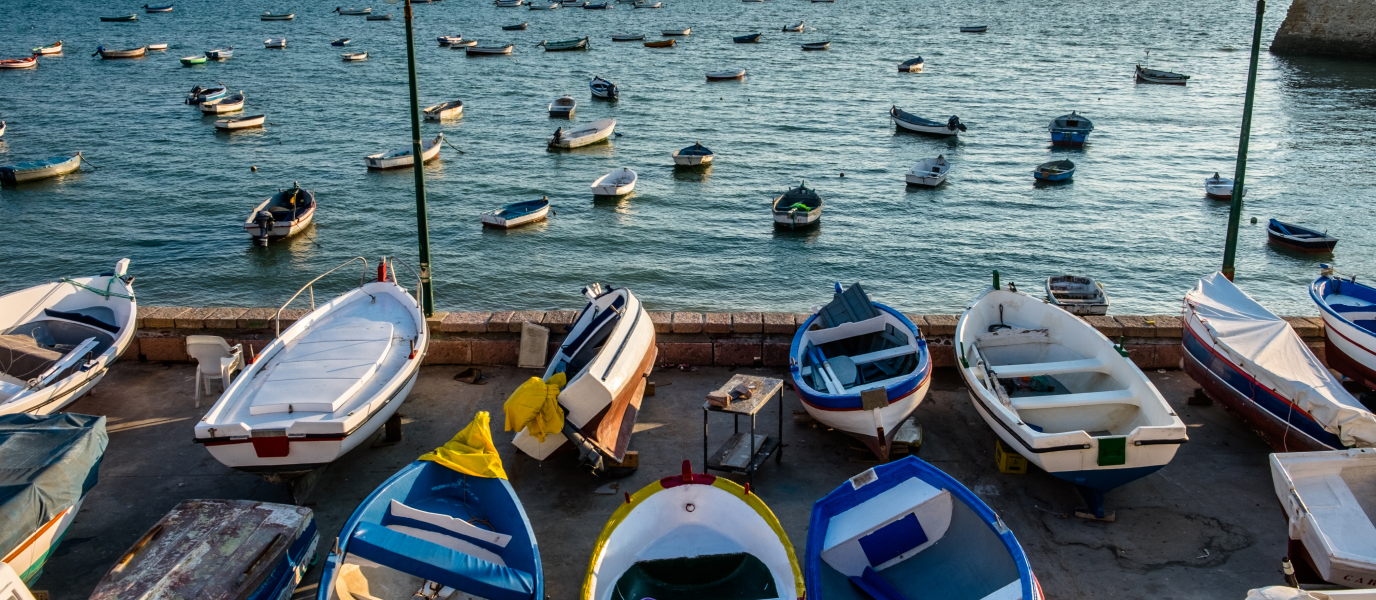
861	367
200	94
693	156
908	530
1070	130
1348	309
911	122
40	169
517	214
341	42
749	38
1056	170
220	53
601	88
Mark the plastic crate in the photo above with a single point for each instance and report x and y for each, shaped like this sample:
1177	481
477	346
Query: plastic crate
1009	461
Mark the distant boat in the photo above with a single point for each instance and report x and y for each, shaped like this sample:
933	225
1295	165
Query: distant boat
584	135
749	38
1056	170
565	45
726	75
599	6
974	29
275	43
200	94
817	45
131	53
628	37
354	56
353	11
601	88
1299	238
40	169
19	63
386	17
1077	295
446	40
550	6
563	107
617	183
228	104
241	123
929	172
1070	130
446	110
660	44
684	31
794	28
402	157
509	3
341	42
574	2
1145	75
912	65
912	122
157	9
267	16
1218	187
646	4
193	60
516	27
461	44
54	48
489	50
123	19
797	208
517	214
3	127
220	53
157	46
282	215
693	156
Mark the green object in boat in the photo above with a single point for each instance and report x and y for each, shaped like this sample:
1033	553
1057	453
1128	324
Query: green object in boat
193	60
1113	451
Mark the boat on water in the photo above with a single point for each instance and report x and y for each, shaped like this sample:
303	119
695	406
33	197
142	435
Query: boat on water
538	6
684	31
1326	498
220	53
1056	170
19	63
1070	130
563	107
341	42
1062	395
1218	187
282	215
647	4
617	183
797	208
53	48
462	44
726	75
273	546
445	110
227	104
911	122
324	385
157	46
191	61
599	6
908	530
386	17
121	19
509	3
795	28
3	127
516	27
749	38
249	122
353	11
582	135
476	50
446	40
601	88
516	214
130	53
1348	309
48	464
354	56
817	45
693	536
39	169
201	94
402	157
268	16
275	43
929	172
693	156
1254	364
860	367
912	65
629	37
974	28
669	43
565	45
1077	295
157	9
1299	238
1145	75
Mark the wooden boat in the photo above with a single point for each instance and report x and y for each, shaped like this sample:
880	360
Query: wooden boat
200	94
912	65
794	28
516	27
157	9
684	31
817	45
275	43
565	45
974	28
462	44
228	104
353	11
727	74
60	338
911	122
601	88
53	48
444	110
386	17
19	63
647	4
188	61
1349	324
1145	75
48	463
617	183
490	50
341	42
1056	170
268	16
797	208
516	214
509	3
669	43
220	53
583	135
282	215
440	526
157	46
1326	497
562	108
606	357
354	56
40	169
241	123
599	6
1061	394
446	40
908	530
121	19
693	156
261	550
628	37
1070	130
929	172
749	38
402	157
1299	238
1218	187
323	386
130	53
859	366
1077	295
693	536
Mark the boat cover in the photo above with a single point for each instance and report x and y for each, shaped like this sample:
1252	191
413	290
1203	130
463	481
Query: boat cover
472	451
47	463
1266	348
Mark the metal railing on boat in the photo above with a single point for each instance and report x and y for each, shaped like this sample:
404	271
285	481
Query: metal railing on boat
277	321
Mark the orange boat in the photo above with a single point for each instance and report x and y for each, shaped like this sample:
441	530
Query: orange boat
660	44
32	61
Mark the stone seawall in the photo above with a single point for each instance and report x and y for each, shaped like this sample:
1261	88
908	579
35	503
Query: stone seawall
1338	28
699	339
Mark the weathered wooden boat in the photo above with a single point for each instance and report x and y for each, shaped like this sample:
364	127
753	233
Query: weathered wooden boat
200	94
268	16
121	19
516	27
693	536
797	208
353	11
908	530
229	103
599	6
1218	187
684	31
1077	295
462	44
669	43
130	53
749	38
912	65
974	28
509	3
446	40
629	37
54	48
60	338
402	157
275	43
583	135
445	110
1145	75
157	46
601	88
157	9
489	50
693	156
647	4
1253	363
354	56
19	63
40	169
341	42
911	122
386	17
516	214
1056	170
189	61
726	75
1299	238
565	45
860	367
795	28
282	215
1061	394
617	183
563	107
1348	309
817	45
930	172
1070	130
241	123
220	53
251	551
1326	497
323	386
48	463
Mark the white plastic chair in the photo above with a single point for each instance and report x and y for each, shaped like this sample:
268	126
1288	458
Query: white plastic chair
217	360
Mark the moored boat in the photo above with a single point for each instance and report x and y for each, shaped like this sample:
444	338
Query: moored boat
157	46
462	44
693	156
629	37
130	53
601	88
3	128
157	9
249	122
189	61
516	214
53	48
386	17
341	42
1299	238
563	107
353	11
583	135
446	40
1218	187
599	6
229	103
797	208
911	122
929	172
200	94
912	65
647	4
120	19
669	43
1056	170
684	31
1070	130
749	38
509	3
795	28
282	215
565	45
402	157
1326	498
725	75
516	27
445	110
974	28
617	183
1348	309
354	56
19	63
268	16
40	169
538	6
817	45
476	50
1145	75
275	43
1077	295
220	53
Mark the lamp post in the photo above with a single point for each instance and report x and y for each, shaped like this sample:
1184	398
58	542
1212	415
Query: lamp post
1240	174
426	291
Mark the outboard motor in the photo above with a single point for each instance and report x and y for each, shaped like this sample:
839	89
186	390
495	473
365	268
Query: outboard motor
265	223
588	456
954	123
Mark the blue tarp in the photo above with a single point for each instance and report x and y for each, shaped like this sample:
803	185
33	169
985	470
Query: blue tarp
47	463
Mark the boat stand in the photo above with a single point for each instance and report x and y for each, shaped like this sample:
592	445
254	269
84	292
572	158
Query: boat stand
391	432
742	452
1095	499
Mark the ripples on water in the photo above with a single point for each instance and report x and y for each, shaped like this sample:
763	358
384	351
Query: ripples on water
170	192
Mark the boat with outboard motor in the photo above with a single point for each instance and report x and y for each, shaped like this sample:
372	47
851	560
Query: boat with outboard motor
601	88
282	215
583	135
911	122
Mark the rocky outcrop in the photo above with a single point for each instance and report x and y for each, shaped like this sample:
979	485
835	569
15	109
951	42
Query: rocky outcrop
1339	28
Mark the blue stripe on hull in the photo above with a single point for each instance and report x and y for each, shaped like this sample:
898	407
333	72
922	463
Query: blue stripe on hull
284	577
1104	480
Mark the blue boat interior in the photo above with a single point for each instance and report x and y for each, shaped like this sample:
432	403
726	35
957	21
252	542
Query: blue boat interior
696	149
521	209
1072	123
583	344
736	576
1353	301
852	306
289	205
1296	231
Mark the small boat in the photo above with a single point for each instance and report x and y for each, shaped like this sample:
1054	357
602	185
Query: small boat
188	61
912	65
275	43
584	135
797	208
1061	394
1077	295
268	16
911	122
446	40
509	3
684	31
693	156
444	110
341	42
228	104
693	536
647	4
3	127
353	11
573	2
130	53
669	43
1218	187
562	108
617	183
40	169
54	48
48	465
1299	238
749	38
282	215
930	172
386	17
516	214
157	9
19	63
1070	130
1254	364
220	53
274	545
241	123
565	45
599	6
827	1
601	88
60	338
490	50
324	385
551	6
859	366
516	27
1056	170
1145	75
1349	324
402	157
628	37
1326	498
926	523
354	56
123	19
461	44
817	45
200	94
974	28
727	74
157	46
794	28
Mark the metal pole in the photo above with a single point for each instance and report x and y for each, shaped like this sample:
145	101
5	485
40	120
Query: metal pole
427	295
1235	212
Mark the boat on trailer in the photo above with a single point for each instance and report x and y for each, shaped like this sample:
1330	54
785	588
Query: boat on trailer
241	123
402	157
1326	497
912	65
445	110
282	215
584	135
517	214
1299	238
1076	295
617	183
1053	171
1070	130
911	122
1218	187
693	156
563	107
55	166
797	208
930	172
908	530
1348	310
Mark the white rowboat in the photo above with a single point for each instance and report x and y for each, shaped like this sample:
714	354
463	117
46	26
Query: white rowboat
684	31
228	104
617	183
354	56
488	50
40	169
157	46
726	75
402	157
445	110
930	172
1326	497
275	43
242	123
1077	295
591	133
563	107
1218	187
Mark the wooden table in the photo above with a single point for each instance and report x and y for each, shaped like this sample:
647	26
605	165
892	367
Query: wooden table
745	452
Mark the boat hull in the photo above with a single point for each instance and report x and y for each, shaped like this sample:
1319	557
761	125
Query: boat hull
1069	138
692	160
497	222
569	141
382	163
1054	177
244	123
1348	348
939	130
14	176
1303	245
28	558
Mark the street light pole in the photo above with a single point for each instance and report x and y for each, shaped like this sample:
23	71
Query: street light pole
426	293
1240	174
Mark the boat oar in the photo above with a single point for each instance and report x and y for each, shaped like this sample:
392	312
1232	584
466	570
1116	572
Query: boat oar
456	149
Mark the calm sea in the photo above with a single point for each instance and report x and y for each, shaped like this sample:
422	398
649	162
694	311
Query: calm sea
170	192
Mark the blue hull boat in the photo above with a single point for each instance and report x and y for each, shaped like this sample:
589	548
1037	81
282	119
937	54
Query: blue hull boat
752	38
199	94
907	530
341	42
1070	130
1348	309
1056	170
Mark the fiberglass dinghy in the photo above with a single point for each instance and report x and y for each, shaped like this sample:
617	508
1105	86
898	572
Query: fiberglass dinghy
1077	295
282	215
1327	500
402	157
798	208
617	183
582	135
1348	309
929	172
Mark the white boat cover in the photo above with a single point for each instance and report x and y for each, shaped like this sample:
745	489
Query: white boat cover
1265	347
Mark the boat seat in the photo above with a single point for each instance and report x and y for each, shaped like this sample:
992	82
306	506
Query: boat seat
844	368
887	529
324	368
444	523
1093	365
1075	400
1338	515
434	562
866	358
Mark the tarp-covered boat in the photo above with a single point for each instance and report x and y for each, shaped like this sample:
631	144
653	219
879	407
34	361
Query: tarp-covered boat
283	214
1348	309
1327	500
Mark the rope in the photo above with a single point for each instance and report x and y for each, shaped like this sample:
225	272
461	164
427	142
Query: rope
83	159
105	293
456	149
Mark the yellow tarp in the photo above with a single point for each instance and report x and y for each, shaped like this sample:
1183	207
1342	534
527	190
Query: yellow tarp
471	451
535	407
